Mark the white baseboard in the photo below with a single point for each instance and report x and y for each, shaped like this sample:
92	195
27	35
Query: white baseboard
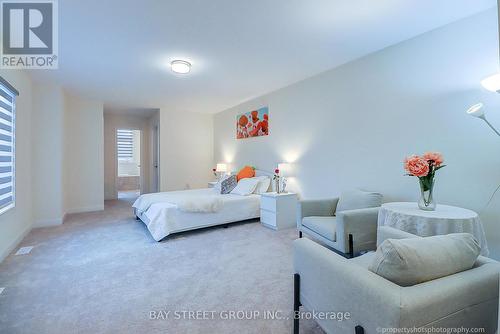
85	209
14	244
48	222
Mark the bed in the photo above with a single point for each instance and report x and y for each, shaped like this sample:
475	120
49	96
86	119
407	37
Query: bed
164	213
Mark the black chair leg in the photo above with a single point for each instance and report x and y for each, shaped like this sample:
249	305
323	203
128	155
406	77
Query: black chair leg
300	234
296	302
351	247
359	330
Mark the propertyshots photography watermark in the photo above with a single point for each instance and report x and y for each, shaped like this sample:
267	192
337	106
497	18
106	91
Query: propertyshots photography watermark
430	330
29	34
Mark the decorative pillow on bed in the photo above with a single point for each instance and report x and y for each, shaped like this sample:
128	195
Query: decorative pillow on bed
246	172
246	186
263	185
227	184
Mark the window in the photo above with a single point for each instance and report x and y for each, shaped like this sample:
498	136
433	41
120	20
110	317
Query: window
7	145
125	143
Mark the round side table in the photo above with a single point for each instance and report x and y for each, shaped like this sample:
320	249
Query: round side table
406	216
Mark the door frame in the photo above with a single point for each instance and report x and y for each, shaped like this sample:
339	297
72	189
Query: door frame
155	157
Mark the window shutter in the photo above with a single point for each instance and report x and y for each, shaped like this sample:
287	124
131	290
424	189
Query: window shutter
7	145
125	144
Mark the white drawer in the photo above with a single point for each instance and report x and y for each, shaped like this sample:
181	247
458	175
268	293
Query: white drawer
268	218
268	203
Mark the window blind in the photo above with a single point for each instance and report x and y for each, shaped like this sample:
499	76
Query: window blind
125	143
7	145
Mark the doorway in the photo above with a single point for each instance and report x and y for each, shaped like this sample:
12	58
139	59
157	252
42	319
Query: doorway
128	149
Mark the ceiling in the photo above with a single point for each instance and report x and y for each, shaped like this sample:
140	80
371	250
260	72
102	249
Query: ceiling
141	112
118	51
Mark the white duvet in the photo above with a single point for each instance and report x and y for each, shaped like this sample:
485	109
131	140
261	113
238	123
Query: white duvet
186	200
176	211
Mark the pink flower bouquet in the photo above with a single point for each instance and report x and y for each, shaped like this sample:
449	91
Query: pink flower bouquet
424	167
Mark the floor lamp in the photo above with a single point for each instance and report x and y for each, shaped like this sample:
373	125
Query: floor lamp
477	110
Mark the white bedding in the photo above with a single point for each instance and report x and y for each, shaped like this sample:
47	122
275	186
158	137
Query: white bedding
186	200
162	216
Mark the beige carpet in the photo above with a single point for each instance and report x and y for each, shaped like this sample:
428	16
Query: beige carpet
103	273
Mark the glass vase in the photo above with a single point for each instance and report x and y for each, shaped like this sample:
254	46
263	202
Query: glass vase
277	184
426	201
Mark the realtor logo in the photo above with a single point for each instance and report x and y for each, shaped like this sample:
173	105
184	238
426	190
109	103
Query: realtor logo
29	34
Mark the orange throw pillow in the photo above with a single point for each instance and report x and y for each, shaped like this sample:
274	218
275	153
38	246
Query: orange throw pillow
245	172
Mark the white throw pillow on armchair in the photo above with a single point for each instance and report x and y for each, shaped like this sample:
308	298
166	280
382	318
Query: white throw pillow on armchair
246	186
412	261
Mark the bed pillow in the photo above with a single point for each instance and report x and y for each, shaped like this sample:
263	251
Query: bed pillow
263	185
246	172
412	261
217	186
245	186
229	184
226	184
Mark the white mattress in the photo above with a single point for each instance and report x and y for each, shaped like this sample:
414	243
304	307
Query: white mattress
165	218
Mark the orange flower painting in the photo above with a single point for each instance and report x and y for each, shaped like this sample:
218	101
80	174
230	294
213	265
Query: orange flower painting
253	124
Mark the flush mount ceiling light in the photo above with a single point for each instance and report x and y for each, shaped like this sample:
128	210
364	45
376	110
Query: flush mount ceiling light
492	83
180	66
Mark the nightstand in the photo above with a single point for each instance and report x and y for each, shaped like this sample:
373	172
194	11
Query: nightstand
212	184
278	211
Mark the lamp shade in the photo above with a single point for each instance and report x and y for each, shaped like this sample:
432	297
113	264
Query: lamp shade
476	110
221	168
492	83
285	169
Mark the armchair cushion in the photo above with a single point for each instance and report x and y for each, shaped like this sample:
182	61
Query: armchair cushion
324	226
358	199
387	232
412	261
364	261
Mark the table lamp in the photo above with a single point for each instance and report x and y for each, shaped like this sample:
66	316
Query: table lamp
285	171
221	168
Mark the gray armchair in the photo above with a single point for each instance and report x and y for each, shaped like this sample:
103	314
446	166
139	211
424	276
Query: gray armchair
347	224
325	281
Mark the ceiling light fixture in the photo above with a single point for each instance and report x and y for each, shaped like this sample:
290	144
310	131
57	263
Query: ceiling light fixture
180	66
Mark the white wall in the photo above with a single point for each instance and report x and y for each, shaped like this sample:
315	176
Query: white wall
186	144
353	126
47	149
112	122
59	158
16	223
83	155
